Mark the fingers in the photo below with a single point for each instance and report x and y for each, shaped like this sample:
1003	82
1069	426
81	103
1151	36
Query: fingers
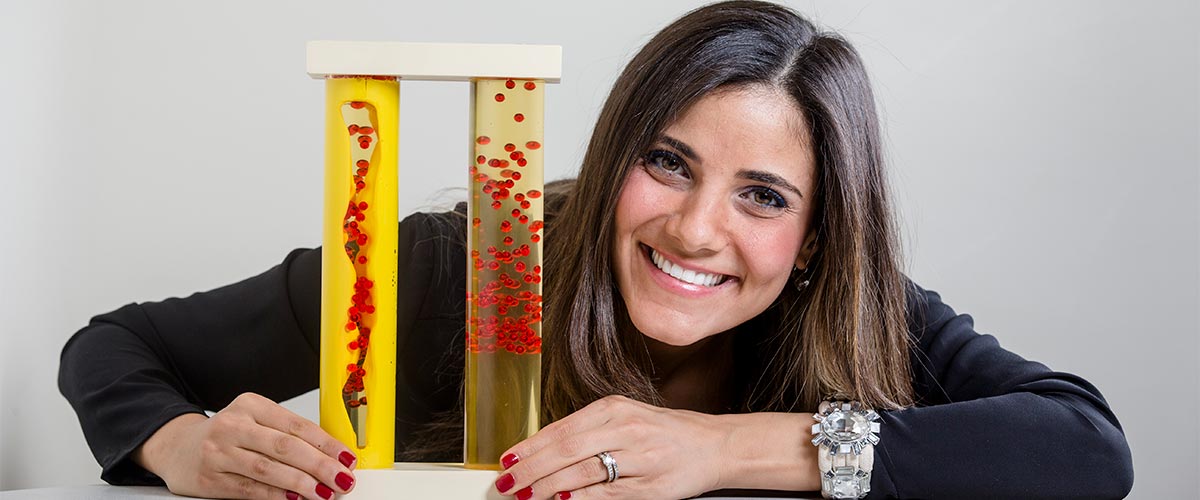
578	476
305	466
280	448
232	485
250	467
270	414
590	417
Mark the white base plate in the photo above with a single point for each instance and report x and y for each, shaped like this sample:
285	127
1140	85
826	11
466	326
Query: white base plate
425	480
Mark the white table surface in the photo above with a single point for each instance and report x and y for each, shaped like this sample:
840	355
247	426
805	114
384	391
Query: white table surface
405	480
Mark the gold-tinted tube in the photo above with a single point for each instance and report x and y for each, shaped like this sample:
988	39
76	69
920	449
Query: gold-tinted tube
358	267
504	290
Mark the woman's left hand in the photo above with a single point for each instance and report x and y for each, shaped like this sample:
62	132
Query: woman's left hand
660	453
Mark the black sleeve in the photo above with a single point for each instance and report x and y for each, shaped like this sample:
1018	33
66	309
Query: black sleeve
991	424
132	370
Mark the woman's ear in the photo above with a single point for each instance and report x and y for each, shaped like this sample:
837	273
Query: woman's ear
807	250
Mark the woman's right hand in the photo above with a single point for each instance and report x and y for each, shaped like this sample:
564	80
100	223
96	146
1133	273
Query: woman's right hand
253	448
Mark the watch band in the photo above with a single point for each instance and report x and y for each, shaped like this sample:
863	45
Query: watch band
845	434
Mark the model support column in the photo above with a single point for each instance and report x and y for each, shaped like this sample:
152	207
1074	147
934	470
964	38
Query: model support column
504	285
358	266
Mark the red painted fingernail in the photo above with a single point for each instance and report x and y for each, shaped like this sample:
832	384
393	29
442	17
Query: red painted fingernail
509	460
564	495
344	481
324	491
291	495
505	483
525	494
346	458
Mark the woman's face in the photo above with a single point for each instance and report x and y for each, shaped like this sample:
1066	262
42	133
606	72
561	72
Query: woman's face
711	220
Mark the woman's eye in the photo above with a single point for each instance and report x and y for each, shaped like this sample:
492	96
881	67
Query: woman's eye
665	161
768	198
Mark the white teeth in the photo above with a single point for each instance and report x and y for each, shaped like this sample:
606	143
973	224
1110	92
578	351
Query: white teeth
689	276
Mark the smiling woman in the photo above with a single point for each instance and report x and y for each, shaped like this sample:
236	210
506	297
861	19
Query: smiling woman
724	267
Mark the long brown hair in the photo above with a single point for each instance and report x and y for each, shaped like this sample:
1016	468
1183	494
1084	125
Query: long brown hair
846	332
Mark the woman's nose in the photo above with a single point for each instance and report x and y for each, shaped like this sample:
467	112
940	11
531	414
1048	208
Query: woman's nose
698	224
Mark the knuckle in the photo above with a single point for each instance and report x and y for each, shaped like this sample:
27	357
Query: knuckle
569	447
297	426
563	431
260	466
244	487
281	445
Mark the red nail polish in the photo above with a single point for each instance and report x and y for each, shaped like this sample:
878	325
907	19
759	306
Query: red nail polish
344	481
291	495
324	491
505	483
525	494
564	495
509	460
346	458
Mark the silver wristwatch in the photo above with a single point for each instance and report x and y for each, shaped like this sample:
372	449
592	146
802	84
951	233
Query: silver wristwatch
846	434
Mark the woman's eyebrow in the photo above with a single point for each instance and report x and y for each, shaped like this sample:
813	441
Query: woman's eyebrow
768	178
681	147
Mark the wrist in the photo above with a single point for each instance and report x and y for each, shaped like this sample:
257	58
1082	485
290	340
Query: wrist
154	454
771	451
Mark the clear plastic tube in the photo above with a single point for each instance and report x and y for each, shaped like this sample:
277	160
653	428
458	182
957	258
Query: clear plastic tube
504	288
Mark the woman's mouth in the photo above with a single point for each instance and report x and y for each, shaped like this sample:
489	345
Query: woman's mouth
681	274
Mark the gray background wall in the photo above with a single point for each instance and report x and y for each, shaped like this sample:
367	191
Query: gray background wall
1044	156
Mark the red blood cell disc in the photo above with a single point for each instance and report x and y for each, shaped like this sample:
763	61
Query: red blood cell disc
510	147
530	86
357	104
480	159
533	144
519	117
510	84
500	97
483	140
522	161
533	193
353	129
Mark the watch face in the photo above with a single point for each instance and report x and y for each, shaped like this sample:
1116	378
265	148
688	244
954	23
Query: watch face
843	426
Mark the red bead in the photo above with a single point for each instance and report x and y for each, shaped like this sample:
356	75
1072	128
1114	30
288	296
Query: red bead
475	222
353	129
352	368
508	240
514	156
523	219
520	267
480	159
496	205
494	162
362	163
522	162
366	130
530	86
533	145
350	326
362	259
357	104
519	197
499	97
516	176
510	147
535	238
519	117
483	140
516	211
360	185
362	205
352	346
510	84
